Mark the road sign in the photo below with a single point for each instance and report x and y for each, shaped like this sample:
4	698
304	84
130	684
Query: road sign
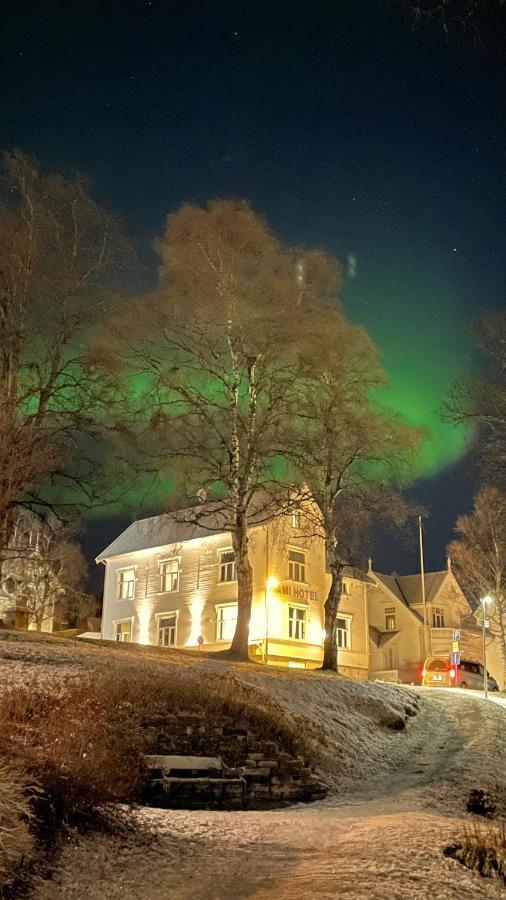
456	634
455	658
455	646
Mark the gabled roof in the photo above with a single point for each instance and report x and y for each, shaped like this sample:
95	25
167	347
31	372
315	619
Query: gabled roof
408	588
391	583
411	586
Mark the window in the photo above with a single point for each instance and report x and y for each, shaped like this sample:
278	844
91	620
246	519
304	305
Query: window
344	633
390	618
297	566
123	631
167	630
228	570
438	618
126	584
226	619
169	575
346	588
297	623
295	519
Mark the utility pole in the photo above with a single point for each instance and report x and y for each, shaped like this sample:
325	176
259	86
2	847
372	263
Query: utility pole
426	636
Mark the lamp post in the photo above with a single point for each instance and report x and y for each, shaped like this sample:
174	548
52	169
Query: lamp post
484	602
270	583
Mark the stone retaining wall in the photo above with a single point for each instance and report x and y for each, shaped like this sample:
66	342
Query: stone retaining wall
273	776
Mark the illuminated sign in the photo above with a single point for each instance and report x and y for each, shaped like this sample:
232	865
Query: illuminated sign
296	593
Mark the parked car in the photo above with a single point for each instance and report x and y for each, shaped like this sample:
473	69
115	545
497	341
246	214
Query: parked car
438	671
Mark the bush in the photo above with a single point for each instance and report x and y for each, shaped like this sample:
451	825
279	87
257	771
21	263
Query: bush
15	838
482	849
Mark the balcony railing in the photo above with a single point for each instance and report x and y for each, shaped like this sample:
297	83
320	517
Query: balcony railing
444	634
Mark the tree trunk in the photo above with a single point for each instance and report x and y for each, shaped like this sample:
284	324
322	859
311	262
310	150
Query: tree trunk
240	643
330	648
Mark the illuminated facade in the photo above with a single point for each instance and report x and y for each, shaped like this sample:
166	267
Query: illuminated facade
173	584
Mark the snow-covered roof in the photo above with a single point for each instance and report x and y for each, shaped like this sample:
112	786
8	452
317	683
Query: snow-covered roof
178	527
161	531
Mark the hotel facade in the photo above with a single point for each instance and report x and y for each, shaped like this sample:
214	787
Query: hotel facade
172	583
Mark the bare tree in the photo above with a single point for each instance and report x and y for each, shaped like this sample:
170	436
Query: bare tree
349	453
214	350
479	556
480	400
60	256
481	21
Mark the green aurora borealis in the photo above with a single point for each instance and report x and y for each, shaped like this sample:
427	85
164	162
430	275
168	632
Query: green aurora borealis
424	344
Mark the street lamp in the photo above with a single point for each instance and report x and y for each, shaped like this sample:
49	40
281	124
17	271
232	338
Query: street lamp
271	583
484	603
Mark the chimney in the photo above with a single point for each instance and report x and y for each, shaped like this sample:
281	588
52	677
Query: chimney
369	564
449	563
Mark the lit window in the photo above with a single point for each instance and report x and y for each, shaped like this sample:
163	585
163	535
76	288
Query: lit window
126	584
169	575
390	619
438	617
297	623
167	630
227	566
226	620
297	566
344	633
123	631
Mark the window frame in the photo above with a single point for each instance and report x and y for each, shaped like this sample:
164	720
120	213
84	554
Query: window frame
163	562
119	582
127	620
390	613
166	615
300	565
299	607
221	565
348	631
218	607
438	614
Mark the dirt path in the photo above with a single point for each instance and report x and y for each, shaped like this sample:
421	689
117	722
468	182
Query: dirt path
384	842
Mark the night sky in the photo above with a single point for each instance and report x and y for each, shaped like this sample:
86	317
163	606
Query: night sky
343	127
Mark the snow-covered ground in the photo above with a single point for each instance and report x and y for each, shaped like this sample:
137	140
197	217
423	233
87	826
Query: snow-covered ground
381	838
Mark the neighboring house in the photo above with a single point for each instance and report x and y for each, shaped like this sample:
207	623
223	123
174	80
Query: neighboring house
25	601
173	583
396	623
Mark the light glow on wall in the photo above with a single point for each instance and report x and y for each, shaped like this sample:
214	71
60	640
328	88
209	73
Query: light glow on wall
315	633
144	616
196	610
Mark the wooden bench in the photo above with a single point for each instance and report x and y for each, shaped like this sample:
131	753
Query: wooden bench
165	771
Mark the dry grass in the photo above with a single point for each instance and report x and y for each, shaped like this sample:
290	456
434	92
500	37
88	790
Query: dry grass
81	740
16	841
482	849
